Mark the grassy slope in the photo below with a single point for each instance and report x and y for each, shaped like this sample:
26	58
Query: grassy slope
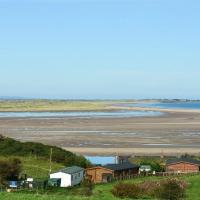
51	105
36	167
102	192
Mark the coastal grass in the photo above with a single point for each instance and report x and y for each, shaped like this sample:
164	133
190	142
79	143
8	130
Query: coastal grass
52	105
101	191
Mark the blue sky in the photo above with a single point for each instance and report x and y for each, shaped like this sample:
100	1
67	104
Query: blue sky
100	49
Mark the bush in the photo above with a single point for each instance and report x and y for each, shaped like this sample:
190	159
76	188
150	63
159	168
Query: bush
10	170
172	189
149	187
167	189
87	187
126	190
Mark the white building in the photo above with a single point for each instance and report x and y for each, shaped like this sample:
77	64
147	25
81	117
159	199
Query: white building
145	168
69	176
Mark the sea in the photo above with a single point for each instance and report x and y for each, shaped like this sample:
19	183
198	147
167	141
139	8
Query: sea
101	160
169	105
83	114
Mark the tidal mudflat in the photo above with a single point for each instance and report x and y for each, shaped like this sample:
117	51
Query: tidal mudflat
173	132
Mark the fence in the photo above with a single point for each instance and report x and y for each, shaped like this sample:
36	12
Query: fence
24	185
168	174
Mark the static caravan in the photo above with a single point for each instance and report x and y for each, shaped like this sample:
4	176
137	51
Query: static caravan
69	176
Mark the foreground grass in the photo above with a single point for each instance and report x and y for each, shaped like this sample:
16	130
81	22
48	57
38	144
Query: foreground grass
52	105
101	192
35	167
193	191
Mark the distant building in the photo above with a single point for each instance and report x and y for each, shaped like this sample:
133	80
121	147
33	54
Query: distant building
99	174
106	173
182	165
145	168
69	176
122	159
123	169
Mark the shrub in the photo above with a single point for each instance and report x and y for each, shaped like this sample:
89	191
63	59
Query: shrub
126	190
87	188
167	189
10	170
172	189
149	187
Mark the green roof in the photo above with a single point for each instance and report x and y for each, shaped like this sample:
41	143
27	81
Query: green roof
71	170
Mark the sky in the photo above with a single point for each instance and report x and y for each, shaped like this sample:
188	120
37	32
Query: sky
103	49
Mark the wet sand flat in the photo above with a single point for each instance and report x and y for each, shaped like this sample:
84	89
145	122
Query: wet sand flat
172	132
135	151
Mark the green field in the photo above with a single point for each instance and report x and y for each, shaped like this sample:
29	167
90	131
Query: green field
52	105
101	192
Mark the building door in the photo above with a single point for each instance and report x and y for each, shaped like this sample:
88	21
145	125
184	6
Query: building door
106	178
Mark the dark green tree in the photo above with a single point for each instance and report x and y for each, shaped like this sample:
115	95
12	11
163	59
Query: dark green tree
10	170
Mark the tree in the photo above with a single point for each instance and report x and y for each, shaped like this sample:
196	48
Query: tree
155	165
9	170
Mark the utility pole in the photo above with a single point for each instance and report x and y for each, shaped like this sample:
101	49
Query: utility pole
50	160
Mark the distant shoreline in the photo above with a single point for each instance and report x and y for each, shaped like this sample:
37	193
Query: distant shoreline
88	106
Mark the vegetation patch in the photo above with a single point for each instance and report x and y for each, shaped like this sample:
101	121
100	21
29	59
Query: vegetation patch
126	190
9	170
170	188
11	147
38	105
100	191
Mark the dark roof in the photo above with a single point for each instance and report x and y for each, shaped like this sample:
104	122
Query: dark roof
71	170
122	166
178	160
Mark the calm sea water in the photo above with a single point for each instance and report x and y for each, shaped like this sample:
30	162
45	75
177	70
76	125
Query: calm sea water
177	105
102	160
81	114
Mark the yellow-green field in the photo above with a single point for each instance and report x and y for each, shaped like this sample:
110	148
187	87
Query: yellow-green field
52	105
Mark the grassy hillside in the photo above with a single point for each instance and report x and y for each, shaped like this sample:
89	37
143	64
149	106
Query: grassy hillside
35	157
101	192
37	168
11	147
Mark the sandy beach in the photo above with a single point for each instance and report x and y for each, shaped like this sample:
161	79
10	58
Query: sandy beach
174	132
